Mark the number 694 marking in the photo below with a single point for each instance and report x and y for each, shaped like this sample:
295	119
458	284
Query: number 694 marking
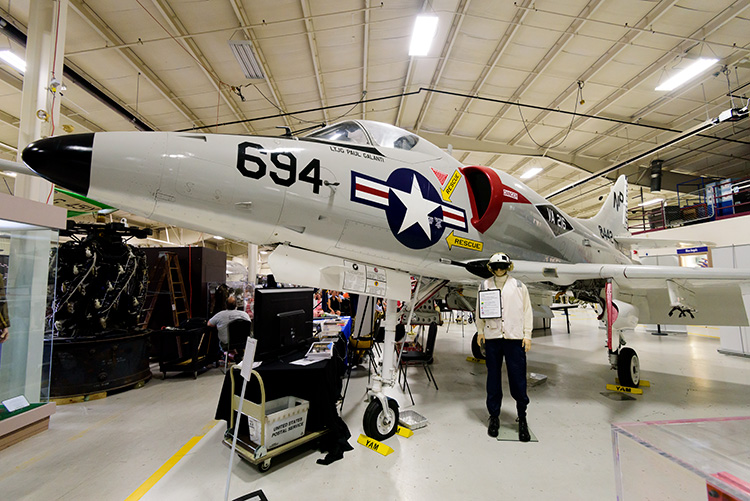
251	164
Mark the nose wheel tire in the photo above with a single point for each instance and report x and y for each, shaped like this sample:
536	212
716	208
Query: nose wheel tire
628	368
380	424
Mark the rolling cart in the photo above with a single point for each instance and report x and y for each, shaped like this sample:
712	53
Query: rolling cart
254	452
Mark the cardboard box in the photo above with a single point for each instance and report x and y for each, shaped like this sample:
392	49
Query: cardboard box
286	419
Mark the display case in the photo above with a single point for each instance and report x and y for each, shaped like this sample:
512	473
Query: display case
690	459
28	238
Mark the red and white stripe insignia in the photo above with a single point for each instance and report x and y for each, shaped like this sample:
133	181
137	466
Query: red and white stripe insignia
454	218
371	191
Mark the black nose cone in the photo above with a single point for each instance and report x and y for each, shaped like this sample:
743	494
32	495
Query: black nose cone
63	160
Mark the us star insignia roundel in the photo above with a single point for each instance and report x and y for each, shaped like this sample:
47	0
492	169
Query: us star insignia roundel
416	214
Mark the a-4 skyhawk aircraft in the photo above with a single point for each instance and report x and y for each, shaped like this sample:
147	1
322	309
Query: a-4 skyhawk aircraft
363	206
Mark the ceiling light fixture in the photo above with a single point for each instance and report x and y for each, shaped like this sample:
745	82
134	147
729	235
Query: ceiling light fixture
651	202
421	38
245	54
217	237
13	60
531	173
157	240
698	66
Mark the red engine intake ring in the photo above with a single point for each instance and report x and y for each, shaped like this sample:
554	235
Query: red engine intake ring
487	195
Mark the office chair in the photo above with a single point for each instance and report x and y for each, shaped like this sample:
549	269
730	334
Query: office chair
239	331
423	358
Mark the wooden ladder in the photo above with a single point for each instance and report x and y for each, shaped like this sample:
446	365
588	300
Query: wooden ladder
169	268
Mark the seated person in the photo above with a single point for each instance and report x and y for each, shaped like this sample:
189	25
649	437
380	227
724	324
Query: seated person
318	305
221	320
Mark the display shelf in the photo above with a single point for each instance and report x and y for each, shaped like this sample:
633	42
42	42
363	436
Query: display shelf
683	459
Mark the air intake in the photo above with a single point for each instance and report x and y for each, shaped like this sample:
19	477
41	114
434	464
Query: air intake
243	51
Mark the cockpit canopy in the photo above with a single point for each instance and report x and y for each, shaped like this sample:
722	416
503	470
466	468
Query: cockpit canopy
366	132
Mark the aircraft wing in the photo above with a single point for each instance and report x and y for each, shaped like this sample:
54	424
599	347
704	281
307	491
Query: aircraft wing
659	243
662	294
630	276
712	296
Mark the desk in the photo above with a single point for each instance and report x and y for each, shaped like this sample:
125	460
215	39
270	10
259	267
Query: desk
336	326
344	324
565	308
185	350
318	383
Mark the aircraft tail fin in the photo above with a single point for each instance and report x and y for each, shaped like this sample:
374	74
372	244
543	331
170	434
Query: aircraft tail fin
612	217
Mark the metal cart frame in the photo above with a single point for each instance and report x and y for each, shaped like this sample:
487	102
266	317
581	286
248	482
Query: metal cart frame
251	452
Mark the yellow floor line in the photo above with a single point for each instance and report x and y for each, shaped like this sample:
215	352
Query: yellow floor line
153	479
703	335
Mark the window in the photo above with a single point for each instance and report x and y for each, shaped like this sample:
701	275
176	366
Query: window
345	132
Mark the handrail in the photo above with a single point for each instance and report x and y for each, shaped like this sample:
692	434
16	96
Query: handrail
721	200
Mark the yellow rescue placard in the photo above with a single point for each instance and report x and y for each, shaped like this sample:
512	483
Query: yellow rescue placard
374	445
464	243
624	389
476	360
404	432
452	183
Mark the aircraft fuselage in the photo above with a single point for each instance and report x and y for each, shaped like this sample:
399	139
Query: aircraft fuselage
362	202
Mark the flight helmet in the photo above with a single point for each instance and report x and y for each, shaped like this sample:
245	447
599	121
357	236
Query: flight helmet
499	261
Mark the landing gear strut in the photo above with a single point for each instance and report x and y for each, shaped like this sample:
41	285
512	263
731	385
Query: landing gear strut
624	359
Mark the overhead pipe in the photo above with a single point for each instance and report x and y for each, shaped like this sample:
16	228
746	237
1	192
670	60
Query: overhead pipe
20	38
689	133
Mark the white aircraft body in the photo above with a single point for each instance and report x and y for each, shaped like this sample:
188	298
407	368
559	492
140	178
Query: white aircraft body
363	206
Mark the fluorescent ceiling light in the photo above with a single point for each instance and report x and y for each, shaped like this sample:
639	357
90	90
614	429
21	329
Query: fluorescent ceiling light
160	241
217	237
13	60
531	173
697	67
243	51
651	202
421	38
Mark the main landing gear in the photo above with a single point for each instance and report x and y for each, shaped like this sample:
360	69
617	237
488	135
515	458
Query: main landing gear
624	359
628	367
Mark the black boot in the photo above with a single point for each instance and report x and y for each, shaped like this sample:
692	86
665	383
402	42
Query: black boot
523	430
494	426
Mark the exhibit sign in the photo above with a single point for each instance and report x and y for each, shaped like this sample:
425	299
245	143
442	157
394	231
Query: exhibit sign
249	358
490	304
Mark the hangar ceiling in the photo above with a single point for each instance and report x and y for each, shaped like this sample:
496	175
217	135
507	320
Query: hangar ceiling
565	85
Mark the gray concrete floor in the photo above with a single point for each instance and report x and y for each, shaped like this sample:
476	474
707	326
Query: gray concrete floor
106	449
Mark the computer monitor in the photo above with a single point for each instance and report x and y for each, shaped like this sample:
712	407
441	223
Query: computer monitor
282	320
